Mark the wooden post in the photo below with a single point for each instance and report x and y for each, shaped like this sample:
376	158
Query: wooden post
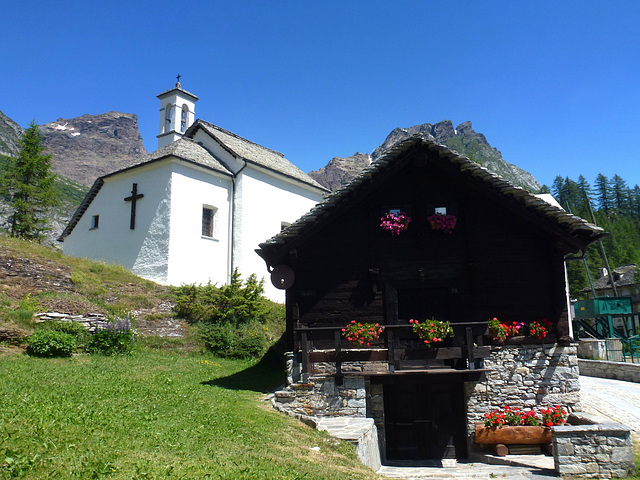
390	351
304	344
469	344
337	345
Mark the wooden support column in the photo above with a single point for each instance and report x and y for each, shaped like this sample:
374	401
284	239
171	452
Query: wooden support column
304	346
337	338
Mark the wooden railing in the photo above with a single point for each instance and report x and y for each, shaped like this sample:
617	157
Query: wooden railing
397	343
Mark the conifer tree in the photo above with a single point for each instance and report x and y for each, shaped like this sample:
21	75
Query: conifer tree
603	193
620	195
28	187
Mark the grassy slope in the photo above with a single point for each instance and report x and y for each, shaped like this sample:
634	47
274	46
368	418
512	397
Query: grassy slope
96	286
155	415
159	413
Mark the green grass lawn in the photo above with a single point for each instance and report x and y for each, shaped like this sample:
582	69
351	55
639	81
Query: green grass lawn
153	415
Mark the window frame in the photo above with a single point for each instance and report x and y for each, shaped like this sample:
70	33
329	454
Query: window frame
209	225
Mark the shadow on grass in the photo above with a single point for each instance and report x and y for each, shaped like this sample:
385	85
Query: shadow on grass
262	377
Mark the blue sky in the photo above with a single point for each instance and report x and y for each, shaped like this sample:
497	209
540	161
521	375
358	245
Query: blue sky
553	85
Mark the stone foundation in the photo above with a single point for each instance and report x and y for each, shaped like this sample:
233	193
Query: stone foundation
524	376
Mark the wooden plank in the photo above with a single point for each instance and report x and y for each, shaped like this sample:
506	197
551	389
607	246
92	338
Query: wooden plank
348	356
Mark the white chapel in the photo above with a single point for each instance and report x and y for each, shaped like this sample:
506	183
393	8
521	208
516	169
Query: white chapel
195	209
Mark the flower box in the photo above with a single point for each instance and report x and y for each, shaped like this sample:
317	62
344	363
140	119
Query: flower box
513	435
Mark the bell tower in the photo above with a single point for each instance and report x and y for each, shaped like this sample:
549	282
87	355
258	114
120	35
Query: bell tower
177	113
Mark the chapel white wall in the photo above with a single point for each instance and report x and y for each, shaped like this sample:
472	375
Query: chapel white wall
113	241
263	202
192	257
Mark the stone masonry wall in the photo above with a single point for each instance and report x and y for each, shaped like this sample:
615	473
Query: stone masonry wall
322	397
629	372
90	321
525	377
593	451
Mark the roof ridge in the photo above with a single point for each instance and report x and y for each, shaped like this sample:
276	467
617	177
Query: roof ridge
239	137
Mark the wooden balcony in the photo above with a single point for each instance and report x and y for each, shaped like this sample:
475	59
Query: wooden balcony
398	346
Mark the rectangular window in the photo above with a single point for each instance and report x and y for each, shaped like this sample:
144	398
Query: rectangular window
209	221
95	221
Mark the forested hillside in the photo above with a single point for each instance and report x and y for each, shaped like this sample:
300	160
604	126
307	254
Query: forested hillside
616	208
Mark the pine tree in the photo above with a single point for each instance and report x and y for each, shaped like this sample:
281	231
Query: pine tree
620	195
603	193
28	187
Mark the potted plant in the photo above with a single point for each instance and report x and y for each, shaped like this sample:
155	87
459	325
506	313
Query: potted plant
445	223
503	330
362	334
395	223
432	331
512	426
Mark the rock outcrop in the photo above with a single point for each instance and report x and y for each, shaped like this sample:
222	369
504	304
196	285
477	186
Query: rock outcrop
89	146
340	170
10	133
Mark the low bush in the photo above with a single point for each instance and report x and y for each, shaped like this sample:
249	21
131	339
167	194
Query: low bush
241	341
116	337
72	328
234	320
45	342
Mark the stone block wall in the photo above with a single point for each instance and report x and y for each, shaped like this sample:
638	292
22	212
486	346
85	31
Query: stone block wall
629	372
527	376
593	451
322	397
91	321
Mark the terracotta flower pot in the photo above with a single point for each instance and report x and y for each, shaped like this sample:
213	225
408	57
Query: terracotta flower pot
513	435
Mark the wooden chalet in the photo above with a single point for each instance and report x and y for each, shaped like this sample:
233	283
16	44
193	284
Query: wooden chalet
504	258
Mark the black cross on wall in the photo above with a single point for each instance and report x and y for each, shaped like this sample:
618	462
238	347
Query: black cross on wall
133	199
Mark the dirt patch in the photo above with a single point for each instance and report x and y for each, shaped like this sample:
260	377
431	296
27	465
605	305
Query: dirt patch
19	276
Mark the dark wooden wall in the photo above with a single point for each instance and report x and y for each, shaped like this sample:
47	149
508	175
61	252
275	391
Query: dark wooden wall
494	264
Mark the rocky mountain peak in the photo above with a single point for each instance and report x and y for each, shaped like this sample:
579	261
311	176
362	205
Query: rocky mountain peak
90	146
462	139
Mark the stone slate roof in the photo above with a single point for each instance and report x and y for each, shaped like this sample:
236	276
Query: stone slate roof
623	276
570	225
247	150
189	150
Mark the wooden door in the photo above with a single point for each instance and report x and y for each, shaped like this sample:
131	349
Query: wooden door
424	420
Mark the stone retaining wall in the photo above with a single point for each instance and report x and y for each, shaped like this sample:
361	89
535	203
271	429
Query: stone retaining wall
91	321
323	398
629	372
593	451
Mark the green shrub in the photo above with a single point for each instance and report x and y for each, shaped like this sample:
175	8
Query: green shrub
50	343
235	303
72	328
241	341
116	337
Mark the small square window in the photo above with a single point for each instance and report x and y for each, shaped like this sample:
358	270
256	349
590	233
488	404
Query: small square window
441	210
95	222
209	221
